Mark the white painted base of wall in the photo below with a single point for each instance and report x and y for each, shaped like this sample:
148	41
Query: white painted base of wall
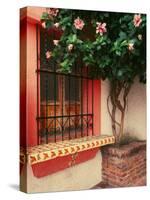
79	177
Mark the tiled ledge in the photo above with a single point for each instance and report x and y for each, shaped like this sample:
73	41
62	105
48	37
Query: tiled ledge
50	151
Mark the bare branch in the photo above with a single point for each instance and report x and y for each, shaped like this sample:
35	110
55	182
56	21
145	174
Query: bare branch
110	111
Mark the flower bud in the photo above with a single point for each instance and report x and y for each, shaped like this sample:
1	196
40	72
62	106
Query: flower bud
70	47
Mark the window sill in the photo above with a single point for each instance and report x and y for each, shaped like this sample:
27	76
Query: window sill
50	151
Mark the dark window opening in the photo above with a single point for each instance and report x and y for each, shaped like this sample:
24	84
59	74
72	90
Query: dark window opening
48	86
65	100
74	91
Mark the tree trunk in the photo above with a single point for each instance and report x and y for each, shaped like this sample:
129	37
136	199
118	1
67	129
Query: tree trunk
121	132
118	99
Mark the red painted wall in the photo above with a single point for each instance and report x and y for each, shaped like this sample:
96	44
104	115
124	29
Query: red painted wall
28	89
60	163
23	35
97	107
28	102
95	97
28	84
31	85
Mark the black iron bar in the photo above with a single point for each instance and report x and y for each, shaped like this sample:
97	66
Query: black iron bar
62	85
81	102
59	116
55	103
60	73
87	102
37	52
92	107
54	67
46	91
46	81
69	106
75	121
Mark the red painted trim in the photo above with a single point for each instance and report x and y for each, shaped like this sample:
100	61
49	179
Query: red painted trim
97	107
31	80
29	16
23	93
61	163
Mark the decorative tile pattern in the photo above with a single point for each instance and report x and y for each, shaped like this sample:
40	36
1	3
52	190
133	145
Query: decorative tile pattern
49	151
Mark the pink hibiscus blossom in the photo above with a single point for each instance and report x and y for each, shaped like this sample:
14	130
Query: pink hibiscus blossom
101	28
79	23
70	47
44	24
55	42
131	46
56	25
53	11
137	20
48	54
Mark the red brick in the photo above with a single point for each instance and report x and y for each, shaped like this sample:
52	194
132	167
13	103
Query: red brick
125	166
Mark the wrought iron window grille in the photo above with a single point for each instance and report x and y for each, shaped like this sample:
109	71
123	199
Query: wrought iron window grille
64	101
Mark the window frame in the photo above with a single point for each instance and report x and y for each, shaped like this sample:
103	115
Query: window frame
85	117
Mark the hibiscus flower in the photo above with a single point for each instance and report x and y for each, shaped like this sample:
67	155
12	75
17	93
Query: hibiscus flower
137	20
53	12
44	24
101	28
70	47
55	42
79	23
56	25
131	46
48	54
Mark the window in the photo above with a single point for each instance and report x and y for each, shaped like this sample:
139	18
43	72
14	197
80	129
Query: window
66	100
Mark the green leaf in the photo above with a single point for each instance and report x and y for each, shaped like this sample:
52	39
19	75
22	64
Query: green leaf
44	16
119	73
49	24
98	47
72	39
118	53
124	43
64	64
122	35
65	20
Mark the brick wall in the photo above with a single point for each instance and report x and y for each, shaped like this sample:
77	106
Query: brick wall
124	166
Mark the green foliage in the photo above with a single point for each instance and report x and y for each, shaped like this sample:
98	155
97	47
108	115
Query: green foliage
112	45
108	54
44	16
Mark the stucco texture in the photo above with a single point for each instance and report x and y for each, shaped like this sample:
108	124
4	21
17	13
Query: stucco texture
79	177
135	121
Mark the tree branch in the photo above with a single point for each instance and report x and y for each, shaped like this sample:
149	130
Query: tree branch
110	111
